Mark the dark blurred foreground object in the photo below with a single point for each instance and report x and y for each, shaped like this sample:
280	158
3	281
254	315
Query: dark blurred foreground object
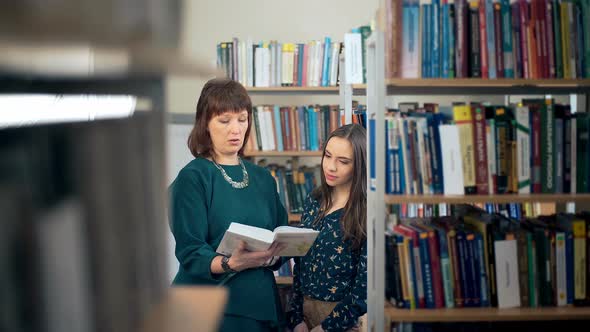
110	23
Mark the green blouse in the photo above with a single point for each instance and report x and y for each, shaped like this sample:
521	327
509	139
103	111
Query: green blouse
202	206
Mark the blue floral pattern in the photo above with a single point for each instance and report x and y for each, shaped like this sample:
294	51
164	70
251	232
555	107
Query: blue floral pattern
331	271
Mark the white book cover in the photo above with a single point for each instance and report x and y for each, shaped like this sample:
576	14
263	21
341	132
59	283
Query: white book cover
243	63
523	149
452	160
353	53
424	164
560	262
266	66
334	63
262	128
249	63
298	240
508	288
269	129
258	67
279	65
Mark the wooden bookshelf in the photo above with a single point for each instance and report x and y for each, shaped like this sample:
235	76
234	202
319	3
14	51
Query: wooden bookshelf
283	153
333	90
500	199
294	217
188	309
433	86
284	280
486	314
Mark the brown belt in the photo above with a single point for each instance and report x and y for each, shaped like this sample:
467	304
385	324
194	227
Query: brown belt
315	311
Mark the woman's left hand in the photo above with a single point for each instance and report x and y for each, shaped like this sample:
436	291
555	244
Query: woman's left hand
317	329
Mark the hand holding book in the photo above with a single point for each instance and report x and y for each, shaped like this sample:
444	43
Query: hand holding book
297	240
243	259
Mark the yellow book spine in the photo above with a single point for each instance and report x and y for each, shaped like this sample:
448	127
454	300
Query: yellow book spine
579	230
464	121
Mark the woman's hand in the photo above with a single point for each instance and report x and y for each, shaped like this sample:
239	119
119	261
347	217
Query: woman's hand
301	327
242	259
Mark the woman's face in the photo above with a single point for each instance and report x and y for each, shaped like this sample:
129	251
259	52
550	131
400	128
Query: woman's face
337	163
227	131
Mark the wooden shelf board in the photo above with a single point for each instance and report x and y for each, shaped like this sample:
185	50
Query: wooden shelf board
486	314
508	198
198	308
296	89
283	153
284	280
471	82
295	217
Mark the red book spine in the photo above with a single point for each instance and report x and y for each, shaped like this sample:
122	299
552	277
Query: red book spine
483	39
550	38
481	158
437	282
524	40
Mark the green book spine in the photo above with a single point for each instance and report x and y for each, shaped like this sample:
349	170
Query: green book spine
548	146
533	289
557	39
585	6
583	164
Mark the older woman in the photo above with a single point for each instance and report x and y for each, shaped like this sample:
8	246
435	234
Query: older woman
215	189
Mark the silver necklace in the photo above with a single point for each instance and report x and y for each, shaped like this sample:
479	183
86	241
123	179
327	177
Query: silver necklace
237	185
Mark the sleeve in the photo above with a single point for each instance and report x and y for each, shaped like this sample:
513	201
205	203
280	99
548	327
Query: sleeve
282	219
188	219
295	315
354	305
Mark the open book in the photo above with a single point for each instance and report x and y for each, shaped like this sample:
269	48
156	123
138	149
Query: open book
298	240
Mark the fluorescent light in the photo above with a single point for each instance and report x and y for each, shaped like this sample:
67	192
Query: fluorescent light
18	110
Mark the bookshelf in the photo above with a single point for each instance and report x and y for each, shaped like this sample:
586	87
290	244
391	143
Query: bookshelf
287	154
381	313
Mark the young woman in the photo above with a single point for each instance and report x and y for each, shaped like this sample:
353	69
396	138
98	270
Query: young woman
330	282
215	189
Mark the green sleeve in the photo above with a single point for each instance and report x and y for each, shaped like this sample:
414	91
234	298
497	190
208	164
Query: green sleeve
282	219
188	218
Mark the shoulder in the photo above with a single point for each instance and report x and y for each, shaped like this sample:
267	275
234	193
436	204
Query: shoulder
193	173
258	172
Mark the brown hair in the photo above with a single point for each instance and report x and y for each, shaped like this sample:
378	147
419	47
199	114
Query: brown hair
354	219
218	96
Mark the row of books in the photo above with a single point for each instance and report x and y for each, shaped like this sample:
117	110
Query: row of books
477	259
516	211
535	146
488	39
82	245
294	183
286	270
272	64
296	128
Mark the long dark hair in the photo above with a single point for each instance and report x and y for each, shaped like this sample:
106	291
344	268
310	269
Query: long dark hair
218	96
354	219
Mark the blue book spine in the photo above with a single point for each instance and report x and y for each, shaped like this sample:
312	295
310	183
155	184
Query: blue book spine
425	41
372	169
451	33
400	158
483	277
569	263
389	153
303	138
282	190
462	258
445	264
327	59
445	40
426	267
472	269
491	38
408	166
278	129
507	39
435	38
437	120
313	128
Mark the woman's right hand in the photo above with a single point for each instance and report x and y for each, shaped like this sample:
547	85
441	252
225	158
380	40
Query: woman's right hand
242	259
301	327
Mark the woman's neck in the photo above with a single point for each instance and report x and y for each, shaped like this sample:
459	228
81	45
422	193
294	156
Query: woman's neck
340	196
223	159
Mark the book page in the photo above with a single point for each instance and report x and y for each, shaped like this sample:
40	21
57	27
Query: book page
298	241
257	239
